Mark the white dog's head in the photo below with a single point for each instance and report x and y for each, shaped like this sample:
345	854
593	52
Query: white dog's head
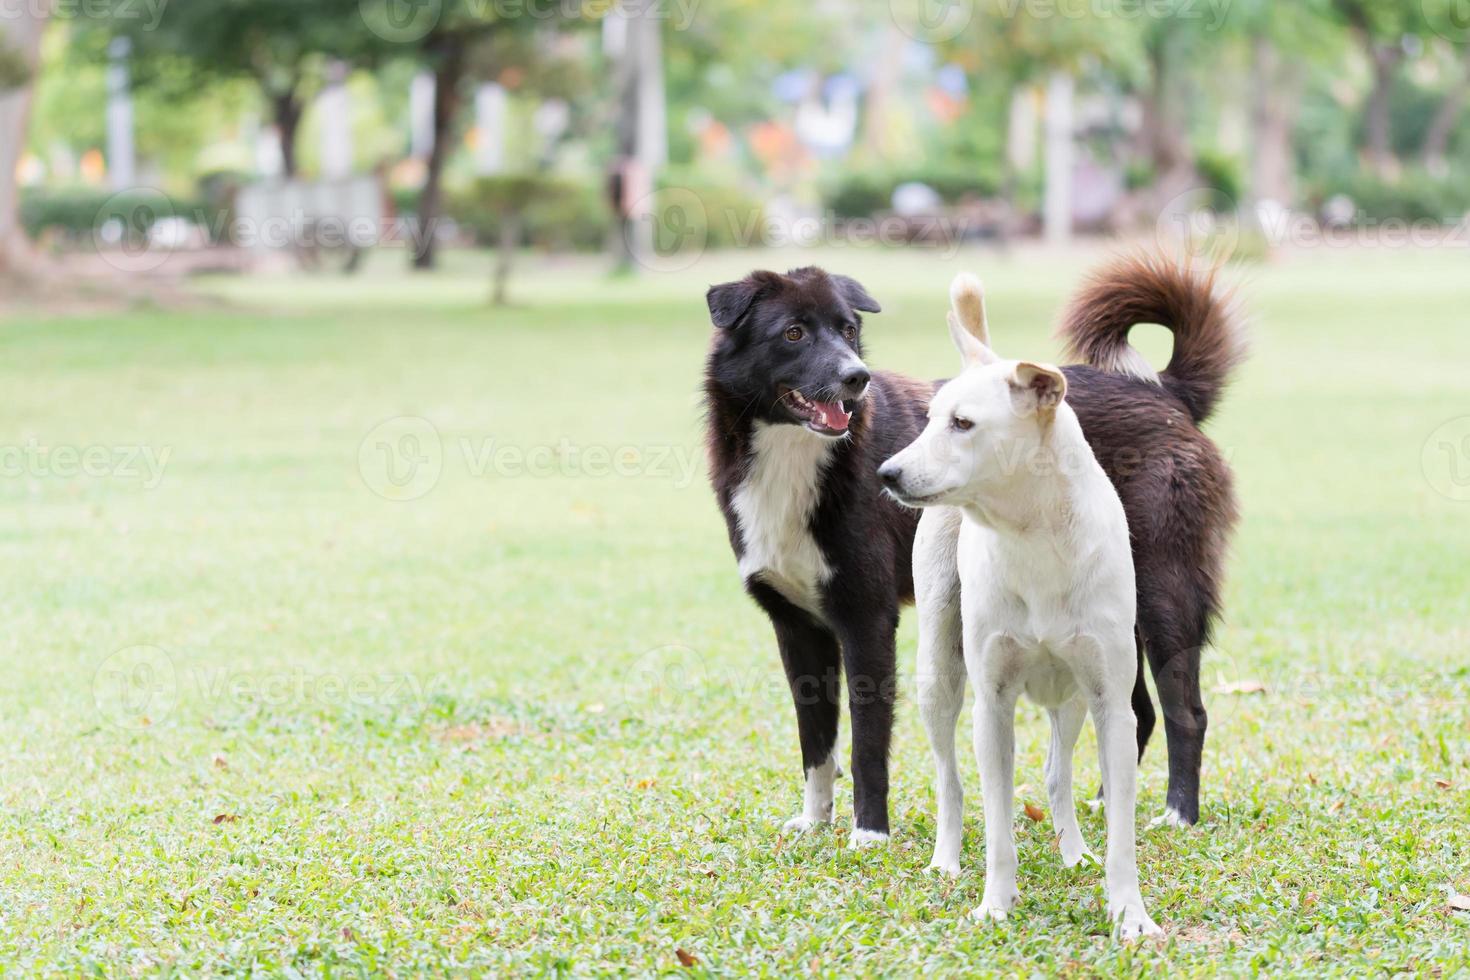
985	425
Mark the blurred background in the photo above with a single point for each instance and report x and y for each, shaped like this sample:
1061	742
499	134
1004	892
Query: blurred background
365	603
169	138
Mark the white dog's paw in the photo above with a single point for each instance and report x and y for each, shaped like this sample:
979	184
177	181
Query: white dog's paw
868	838
800	824
1169	818
1074	852
1134	923
945	866
995	908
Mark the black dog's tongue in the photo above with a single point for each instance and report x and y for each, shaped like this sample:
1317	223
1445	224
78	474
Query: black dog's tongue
832	416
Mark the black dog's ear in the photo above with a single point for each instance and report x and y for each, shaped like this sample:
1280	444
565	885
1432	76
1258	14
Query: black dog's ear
857	297
729	301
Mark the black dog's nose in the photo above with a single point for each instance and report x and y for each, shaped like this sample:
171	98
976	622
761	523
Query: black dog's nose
891	475
857	378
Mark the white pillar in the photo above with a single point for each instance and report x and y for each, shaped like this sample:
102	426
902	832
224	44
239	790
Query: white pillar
1057	208
121	157
335	106
490	113
653	128
421	115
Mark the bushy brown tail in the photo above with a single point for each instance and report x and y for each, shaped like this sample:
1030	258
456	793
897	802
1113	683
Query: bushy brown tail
1146	288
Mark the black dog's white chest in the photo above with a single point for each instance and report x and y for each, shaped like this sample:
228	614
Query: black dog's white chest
774	504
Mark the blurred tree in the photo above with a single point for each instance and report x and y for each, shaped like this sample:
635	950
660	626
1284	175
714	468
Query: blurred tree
1385	31
1285	40
20	49
282	46
1447	116
470	39
1020	47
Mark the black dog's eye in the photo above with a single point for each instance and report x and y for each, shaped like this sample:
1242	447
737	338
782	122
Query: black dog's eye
794	333
961	425
849	331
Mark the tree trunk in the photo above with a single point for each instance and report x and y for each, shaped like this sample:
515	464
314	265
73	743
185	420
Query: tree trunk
1166	141
20	37
447	76
1442	126
1275	95
1385	58
510	239
286	109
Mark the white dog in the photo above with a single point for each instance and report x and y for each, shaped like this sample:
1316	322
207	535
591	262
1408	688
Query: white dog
1024	578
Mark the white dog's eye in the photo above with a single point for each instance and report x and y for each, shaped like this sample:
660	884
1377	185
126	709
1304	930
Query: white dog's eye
961	425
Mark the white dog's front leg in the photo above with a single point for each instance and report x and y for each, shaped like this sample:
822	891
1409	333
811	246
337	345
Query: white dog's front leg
941	693
1118	744
941	670
995	750
1066	723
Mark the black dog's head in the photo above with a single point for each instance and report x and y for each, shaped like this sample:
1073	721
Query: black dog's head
791	347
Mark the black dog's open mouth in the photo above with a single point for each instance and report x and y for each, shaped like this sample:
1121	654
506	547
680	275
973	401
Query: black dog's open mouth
827	418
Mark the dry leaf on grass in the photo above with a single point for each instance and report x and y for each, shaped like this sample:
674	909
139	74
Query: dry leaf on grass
1458	902
1035	812
220	818
1443	783
685	957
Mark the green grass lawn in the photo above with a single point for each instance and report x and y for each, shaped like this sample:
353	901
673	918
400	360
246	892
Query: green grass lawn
258	714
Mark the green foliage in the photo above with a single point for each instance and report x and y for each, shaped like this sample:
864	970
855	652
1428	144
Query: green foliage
1222	172
1414	196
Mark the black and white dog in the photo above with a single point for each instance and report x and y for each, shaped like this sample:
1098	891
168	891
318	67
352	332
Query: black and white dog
798	426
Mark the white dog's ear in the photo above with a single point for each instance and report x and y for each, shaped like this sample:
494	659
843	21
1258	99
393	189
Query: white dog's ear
967	326
1037	388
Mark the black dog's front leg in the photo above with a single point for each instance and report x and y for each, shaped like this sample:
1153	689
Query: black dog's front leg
809	654
872	687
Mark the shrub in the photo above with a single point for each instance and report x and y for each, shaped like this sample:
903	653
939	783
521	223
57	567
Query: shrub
78	212
553	213
1415	196
862	193
718	216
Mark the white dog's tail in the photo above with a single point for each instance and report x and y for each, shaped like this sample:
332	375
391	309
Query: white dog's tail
967	303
